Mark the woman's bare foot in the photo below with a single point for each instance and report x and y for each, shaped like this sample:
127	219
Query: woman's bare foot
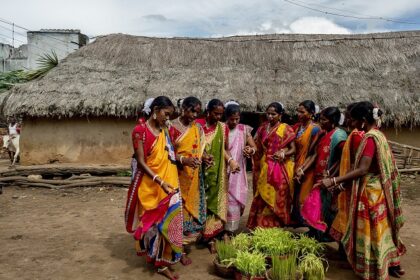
165	271
396	271
212	247
185	260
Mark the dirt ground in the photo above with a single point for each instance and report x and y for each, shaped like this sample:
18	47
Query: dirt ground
80	234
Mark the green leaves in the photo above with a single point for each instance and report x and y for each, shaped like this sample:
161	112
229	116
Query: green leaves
273	241
251	264
226	252
308	245
312	267
242	242
46	62
284	267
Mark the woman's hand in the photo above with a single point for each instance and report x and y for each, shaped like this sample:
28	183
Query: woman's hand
208	160
279	155
192	162
248	151
167	188
299	174
234	166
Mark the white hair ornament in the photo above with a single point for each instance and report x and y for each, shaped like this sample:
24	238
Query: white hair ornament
146	108
342	118
316	109
376	117
231	102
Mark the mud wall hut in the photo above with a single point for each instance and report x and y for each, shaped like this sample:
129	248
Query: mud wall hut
84	109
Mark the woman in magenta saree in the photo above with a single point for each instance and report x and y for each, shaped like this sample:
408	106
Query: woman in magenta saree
273	172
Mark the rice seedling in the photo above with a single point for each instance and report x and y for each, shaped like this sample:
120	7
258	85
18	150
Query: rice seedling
307	245
242	242
312	267
284	267
273	241
226	252
250	263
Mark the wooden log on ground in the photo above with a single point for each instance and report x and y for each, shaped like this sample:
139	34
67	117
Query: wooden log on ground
63	169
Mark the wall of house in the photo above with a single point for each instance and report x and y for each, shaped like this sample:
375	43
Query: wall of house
40	43
96	141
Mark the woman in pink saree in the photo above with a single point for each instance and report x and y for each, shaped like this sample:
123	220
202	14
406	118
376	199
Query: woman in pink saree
241	146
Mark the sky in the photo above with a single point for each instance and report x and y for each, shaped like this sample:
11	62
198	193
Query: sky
210	18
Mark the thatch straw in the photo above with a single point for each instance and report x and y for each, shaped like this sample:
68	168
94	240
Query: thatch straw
115	74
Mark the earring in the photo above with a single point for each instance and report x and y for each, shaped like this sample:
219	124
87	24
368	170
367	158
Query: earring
363	125
154	116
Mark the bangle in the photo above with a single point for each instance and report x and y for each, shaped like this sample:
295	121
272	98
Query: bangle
231	158
341	187
282	155
334	180
161	183
154	177
301	170
253	151
180	159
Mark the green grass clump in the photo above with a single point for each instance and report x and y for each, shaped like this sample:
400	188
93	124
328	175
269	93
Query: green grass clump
307	245
284	267
226	252
312	267
250	264
242	242
273	241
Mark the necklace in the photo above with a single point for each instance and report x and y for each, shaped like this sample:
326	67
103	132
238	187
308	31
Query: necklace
149	126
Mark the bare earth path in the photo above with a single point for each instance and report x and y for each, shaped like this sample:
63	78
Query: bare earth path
79	234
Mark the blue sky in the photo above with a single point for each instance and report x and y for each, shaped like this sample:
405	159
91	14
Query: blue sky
211	18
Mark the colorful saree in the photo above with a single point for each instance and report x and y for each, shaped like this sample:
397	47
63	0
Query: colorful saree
158	216
348	156
238	183
273	193
305	137
189	142
328	154
215	181
371	240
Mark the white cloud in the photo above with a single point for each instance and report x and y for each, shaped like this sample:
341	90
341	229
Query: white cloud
317	25
205	18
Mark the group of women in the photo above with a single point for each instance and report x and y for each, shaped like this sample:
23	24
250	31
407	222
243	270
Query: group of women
189	181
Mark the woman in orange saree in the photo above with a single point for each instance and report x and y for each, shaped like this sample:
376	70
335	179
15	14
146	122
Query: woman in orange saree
348	158
307	135
154	208
188	139
371	240
273	172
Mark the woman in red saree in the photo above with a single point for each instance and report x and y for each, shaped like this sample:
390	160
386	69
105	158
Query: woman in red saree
273	172
307	136
318	210
372	237
154	208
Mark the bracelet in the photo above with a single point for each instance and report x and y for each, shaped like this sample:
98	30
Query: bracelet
301	170
231	158
161	183
341	187
253	151
335	182
154	177
282	155
180	159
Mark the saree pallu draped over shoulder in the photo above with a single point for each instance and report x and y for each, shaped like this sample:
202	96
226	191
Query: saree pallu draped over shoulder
189	142
158	216
215	181
271	204
372	241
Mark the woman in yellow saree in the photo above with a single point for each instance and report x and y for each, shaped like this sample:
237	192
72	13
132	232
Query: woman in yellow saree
371	239
154	208
273	172
188	139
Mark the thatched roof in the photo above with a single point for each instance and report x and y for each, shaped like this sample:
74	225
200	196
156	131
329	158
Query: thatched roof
115	74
